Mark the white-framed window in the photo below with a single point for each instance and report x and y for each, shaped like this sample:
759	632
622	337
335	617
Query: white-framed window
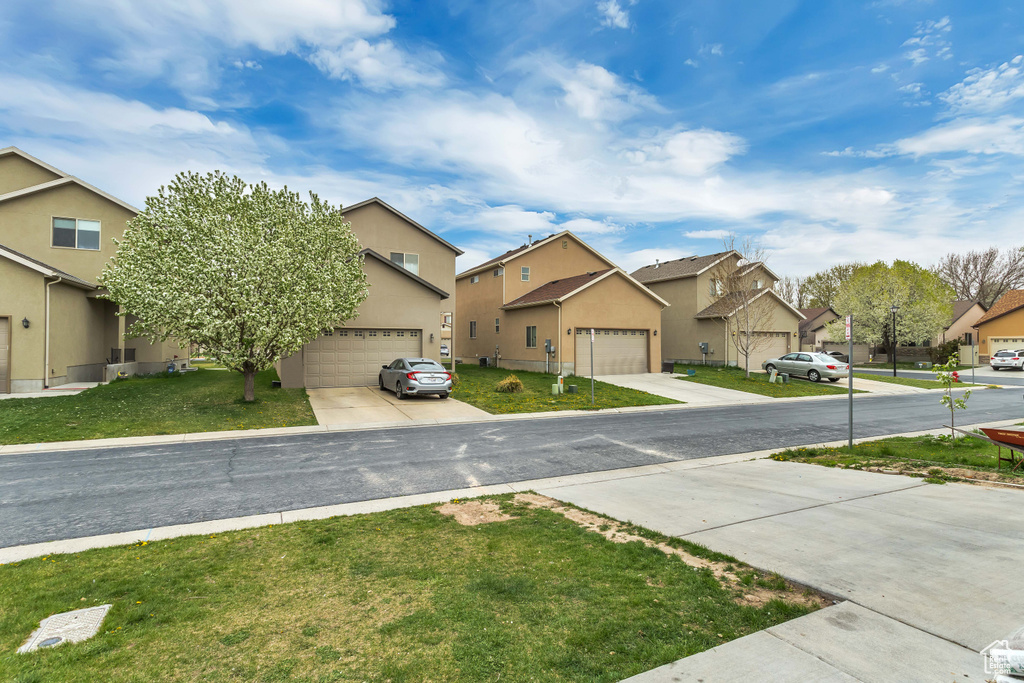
75	233
498	272
525	273
472	329
447	319
531	337
497	325
410	262
715	287
473	279
758	284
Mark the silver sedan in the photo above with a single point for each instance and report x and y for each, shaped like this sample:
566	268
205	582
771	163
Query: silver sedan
813	366
415	376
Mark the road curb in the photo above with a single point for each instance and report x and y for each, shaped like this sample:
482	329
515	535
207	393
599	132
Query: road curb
75	545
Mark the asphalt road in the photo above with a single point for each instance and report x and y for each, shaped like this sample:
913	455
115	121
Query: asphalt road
982	375
69	494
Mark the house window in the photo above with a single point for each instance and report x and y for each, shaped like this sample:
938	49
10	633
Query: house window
531	337
498	272
525	274
474	279
715	288
447	318
74	233
410	262
497	325
472	329
565	244
969	338
758	284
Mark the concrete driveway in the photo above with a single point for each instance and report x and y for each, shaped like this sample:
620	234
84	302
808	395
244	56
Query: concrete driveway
930	572
366	406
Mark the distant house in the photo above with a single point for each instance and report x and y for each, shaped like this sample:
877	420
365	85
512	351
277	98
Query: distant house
965	315
1002	326
557	290
700	314
812	328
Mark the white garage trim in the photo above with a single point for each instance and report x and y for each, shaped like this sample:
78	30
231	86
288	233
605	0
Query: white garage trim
352	357
616	352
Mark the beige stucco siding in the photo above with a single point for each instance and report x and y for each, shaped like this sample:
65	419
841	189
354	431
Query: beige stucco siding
17	173
480	302
681	331
383	231
963	325
1010	325
514	353
77	331
546	263
26	225
21	296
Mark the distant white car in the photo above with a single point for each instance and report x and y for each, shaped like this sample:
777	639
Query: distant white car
444	350
1007	359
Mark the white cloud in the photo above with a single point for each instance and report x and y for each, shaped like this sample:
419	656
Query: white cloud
710	49
378	66
988	90
247	64
1004	135
706	234
691	62
597	94
930	40
612	14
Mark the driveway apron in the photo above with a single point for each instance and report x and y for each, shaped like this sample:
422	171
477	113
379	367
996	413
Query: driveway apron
368	405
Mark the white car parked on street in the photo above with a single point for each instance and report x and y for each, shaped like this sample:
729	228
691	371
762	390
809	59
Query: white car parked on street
1007	359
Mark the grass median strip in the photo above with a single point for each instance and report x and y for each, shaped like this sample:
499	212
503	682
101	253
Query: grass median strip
937	458
524	591
906	381
200	401
733	378
477	388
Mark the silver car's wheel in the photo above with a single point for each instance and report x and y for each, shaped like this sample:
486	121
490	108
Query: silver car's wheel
768	368
380	382
813	375
398	392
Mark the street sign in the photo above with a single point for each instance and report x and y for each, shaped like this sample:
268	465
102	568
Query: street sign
848	327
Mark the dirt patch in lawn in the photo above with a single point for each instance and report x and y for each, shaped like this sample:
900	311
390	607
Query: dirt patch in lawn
743	580
474	512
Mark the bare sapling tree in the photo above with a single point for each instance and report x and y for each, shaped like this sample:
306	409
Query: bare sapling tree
744	298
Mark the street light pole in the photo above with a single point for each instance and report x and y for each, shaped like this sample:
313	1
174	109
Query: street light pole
894	309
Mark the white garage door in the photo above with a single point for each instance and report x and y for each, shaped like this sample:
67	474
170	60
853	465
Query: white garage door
5	348
774	347
345	357
616	352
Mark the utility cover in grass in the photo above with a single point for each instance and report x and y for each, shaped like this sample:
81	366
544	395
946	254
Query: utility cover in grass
67	627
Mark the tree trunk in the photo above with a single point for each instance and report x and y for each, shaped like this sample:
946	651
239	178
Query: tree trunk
249	393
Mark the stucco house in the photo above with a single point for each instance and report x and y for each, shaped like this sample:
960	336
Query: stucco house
961	327
411	274
55	238
812	330
533	307
702	313
1002	326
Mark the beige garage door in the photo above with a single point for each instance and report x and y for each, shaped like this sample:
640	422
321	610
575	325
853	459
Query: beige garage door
774	347
5	352
616	352
347	357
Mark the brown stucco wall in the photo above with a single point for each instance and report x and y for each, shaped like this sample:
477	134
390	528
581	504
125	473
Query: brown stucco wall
17	173
21	296
480	302
681	332
1010	325
77	333
549	262
514	354
26	225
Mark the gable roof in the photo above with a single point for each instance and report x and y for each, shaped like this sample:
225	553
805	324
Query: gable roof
811	316
416	278
960	308
44	269
64	179
382	203
730	303
519	251
688	266
563	288
1008	303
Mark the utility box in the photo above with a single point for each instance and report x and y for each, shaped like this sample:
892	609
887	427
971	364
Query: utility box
703	347
484	361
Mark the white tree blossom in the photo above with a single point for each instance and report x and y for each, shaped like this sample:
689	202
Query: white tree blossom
248	273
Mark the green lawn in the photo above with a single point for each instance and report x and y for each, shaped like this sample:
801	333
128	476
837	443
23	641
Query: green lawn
905	366
200	401
733	378
939	458
905	381
405	595
476	387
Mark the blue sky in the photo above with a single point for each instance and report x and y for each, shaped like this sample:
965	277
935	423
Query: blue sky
827	131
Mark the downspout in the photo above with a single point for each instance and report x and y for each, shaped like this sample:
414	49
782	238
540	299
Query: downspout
558	335
46	335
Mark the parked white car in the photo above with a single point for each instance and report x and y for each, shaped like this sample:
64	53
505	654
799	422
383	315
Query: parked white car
1007	359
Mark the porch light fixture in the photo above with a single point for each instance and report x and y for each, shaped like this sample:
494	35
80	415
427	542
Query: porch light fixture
24	323
431	337
655	333
569	331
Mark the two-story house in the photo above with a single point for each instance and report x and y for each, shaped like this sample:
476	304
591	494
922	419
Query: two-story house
704	313
533	308
411	275
55	238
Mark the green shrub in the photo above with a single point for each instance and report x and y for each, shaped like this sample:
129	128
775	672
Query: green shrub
510	385
940	354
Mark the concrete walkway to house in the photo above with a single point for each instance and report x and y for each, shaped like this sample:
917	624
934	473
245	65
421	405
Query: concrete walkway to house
366	406
925	575
69	389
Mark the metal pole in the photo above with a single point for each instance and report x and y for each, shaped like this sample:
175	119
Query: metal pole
894	343
849	372
591	366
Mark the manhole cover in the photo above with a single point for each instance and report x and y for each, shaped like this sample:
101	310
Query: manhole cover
68	627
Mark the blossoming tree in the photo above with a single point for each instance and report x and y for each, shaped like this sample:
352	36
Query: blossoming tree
248	273
948	377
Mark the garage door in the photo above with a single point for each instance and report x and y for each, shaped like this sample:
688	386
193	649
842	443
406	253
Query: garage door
5	352
616	352
345	357
773	348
